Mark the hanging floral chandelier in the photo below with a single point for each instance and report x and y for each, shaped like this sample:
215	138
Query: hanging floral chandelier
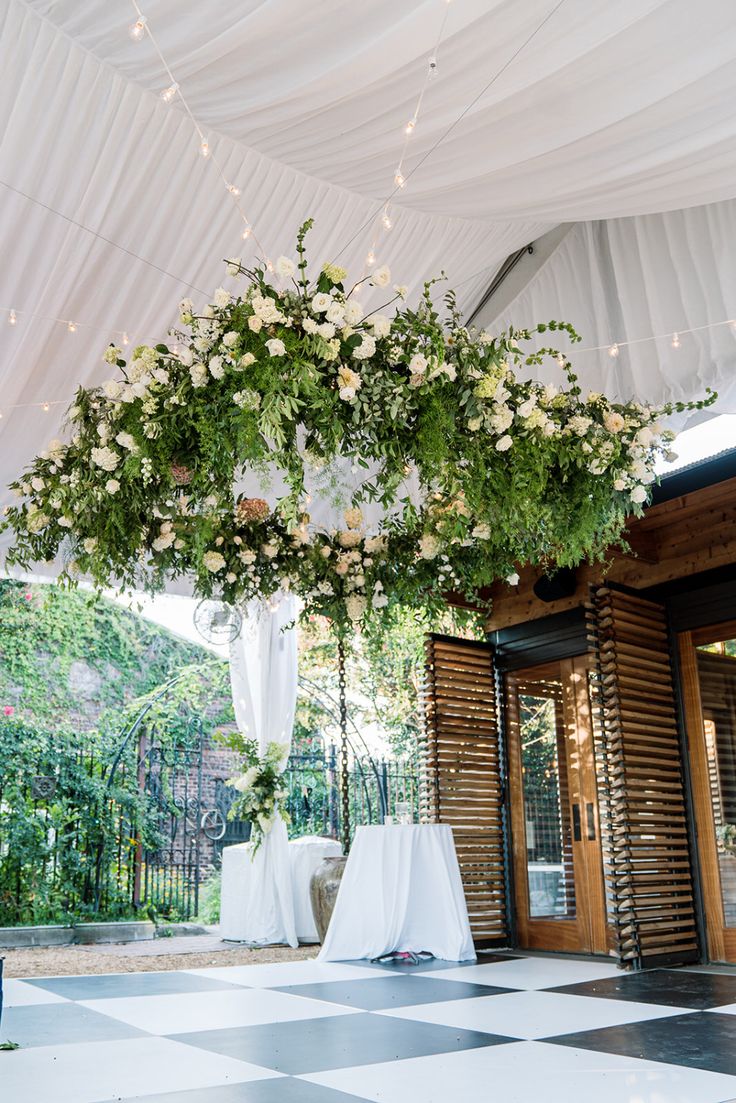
294	377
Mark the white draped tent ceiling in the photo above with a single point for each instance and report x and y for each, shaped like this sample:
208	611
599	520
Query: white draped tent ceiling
610	111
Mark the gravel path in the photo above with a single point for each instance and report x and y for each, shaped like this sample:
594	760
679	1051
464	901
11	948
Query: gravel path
59	961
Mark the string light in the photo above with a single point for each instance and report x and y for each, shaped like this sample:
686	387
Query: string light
246	233
409	128
386	221
138	29
370	260
675	340
125	339
71	327
45	406
12	318
168	94
613	350
399	180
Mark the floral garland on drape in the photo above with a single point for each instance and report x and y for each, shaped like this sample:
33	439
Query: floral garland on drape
296	377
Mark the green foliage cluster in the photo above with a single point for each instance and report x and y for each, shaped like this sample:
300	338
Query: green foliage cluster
298	378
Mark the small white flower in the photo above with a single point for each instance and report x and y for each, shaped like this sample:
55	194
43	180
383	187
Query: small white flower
429	546
38	483
504	444
198	375
89	544
366	348
127	440
233	266
355	605
186	357
639	494
381	277
217	368
401	290
513	579
221	297
255	323
614	422
381	325
230	339
65	522
246	360
418	364
326	331
112	354
112	486
276	347
285	268
310	326
482	532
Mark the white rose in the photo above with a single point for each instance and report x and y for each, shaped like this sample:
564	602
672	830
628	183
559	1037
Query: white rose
230	339
326	330
614	421
276	347
37	483
221	297
418	364
198	375
246	360
255	323
335	313
310	326
381	325
356	605
112	486
89	544
285	268
186	357
527	408
217	368
382	276
320	302
504	444
106	458
353	517
113	389
639	494
353	312
269	550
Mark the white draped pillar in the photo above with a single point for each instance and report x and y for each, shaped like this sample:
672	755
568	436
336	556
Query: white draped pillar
263	675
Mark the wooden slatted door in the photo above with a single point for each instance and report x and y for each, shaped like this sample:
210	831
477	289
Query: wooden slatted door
708	666
558	872
463	779
646	851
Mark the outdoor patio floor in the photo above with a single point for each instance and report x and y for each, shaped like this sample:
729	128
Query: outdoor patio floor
512	1029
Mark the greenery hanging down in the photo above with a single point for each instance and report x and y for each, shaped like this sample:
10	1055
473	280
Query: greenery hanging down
292	377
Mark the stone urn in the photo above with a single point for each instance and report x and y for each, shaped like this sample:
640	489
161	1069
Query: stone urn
323	889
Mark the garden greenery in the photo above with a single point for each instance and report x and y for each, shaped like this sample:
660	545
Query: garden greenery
293	377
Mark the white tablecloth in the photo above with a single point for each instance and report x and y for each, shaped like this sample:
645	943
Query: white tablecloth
401	890
305	854
257	903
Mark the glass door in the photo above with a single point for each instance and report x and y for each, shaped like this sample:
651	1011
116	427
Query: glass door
558	876
708	661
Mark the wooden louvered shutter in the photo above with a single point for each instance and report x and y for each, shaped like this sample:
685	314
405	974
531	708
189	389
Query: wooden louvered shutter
462	784
646	851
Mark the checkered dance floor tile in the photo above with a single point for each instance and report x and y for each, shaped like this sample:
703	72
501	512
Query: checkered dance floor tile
509	1029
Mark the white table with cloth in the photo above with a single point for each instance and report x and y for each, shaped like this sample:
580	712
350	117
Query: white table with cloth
401	891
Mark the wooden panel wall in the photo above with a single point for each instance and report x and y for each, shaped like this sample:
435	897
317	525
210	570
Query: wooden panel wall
463	784
646	852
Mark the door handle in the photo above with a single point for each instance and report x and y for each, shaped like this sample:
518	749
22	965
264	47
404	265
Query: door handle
577	833
590	812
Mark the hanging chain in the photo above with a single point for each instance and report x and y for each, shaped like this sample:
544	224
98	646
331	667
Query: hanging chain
344	765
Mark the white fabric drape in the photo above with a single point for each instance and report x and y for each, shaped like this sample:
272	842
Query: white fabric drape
109	216
263	674
628	278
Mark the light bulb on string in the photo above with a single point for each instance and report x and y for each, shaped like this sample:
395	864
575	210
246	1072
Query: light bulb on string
167	95
233	189
432	66
45	407
246	233
409	128
386	221
71	327
126	339
399	180
732	324
12	319
675	340
204	147
614	350
138	29
370	260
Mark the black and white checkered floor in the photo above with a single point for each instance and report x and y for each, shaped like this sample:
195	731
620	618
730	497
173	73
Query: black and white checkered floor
511	1029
